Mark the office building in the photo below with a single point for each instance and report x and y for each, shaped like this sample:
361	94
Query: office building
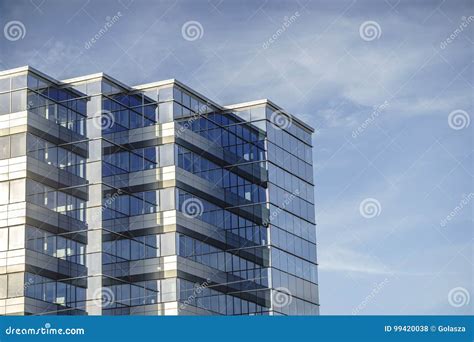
151	200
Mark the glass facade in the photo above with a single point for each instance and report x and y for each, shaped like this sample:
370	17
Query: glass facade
43	231
151	200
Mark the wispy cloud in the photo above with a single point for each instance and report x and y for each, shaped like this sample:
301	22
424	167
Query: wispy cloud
340	259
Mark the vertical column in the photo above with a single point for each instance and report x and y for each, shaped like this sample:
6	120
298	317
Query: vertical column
94	207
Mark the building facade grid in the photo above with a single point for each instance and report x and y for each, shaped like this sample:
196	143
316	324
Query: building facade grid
151	200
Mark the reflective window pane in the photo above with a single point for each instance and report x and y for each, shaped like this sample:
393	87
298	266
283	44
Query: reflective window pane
4	147
4	103
18	145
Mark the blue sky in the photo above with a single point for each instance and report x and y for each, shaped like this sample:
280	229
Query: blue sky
380	104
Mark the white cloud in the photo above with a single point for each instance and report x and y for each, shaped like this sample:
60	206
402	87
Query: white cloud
341	259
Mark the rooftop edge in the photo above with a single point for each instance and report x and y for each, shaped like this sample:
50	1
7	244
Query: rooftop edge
156	84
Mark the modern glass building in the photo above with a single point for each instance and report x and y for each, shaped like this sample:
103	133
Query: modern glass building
151	200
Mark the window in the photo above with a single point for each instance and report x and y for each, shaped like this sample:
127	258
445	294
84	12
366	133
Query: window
165	94
17	190
166	155
61	294
165	112
4	239
18	101
16	239
4	103
5	84
150	95
93	87
18	145
50	292
177	110
19	81
167	199
135	250
61	247
15	284
32	81
4	147
3	286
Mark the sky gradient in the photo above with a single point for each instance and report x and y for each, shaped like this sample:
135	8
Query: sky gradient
391	106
